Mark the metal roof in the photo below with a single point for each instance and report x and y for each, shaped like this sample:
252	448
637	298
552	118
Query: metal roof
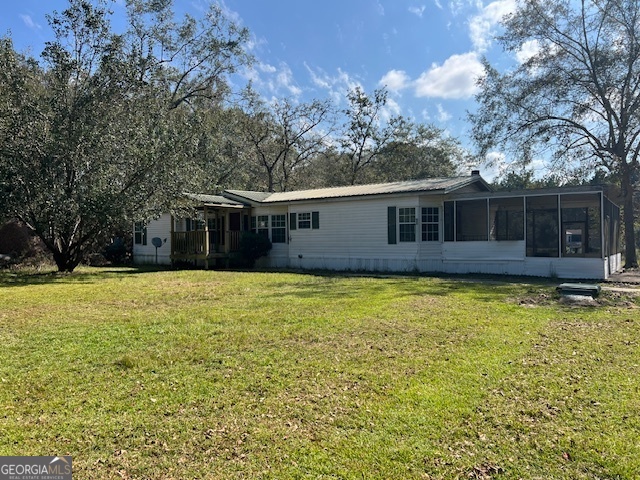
250	195
431	185
213	200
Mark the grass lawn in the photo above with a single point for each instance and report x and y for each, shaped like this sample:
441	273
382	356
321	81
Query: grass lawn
204	374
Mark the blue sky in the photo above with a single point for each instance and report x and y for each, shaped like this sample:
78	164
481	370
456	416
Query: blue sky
426	52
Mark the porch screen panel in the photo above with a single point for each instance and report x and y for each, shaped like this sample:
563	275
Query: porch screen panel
581	233
542	226
506	216
449	218
612	227
471	220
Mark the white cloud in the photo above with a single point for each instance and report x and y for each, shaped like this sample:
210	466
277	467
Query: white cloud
268	79
28	21
482	26
391	109
284	80
336	86
455	79
395	80
438	4
380	9
527	50
419	11
443	115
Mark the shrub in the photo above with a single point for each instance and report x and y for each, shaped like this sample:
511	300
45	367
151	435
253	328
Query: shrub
253	246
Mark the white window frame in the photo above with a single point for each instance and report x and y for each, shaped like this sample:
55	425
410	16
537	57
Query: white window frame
407	218
427	214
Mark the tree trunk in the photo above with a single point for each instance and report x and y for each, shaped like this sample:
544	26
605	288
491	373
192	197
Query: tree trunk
65	261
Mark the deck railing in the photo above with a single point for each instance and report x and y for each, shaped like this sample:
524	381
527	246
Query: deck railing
233	237
189	243
194	242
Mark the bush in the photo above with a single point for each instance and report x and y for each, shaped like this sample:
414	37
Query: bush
253	246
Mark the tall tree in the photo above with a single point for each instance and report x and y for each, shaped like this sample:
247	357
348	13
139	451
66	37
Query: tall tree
365	134
577	96
101	132
418	151
285	135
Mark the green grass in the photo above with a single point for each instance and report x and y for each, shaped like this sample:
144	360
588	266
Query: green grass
203	374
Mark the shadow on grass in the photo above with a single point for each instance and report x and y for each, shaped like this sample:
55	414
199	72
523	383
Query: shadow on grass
27	277
329	285
480	287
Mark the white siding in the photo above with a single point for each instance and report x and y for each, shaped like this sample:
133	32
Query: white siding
146	254
613	264
352	236
592	268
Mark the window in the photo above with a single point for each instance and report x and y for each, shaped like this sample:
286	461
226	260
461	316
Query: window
507	218
193	224
263	225
471	221
430	224
304	220
139	233
278	228
407	222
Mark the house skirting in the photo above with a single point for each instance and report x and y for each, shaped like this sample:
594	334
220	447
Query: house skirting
576	268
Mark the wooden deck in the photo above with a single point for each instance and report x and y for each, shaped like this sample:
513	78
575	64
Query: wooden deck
202	245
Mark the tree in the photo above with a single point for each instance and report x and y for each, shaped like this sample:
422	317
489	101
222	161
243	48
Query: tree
284	136
418	151
577	97
365	136
100	134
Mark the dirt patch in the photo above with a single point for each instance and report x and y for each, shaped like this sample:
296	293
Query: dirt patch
627	298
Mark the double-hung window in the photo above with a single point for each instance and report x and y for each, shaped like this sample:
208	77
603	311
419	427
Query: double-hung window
304	220
263	225
139	233
407	223
278	228
430	224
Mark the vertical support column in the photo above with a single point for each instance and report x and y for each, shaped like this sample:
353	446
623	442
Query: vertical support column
560	232
173	228
227	243
206	239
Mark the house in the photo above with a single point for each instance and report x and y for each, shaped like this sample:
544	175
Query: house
450	225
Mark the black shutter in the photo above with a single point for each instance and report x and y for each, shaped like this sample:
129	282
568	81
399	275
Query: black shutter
391	225
315	220
293	221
